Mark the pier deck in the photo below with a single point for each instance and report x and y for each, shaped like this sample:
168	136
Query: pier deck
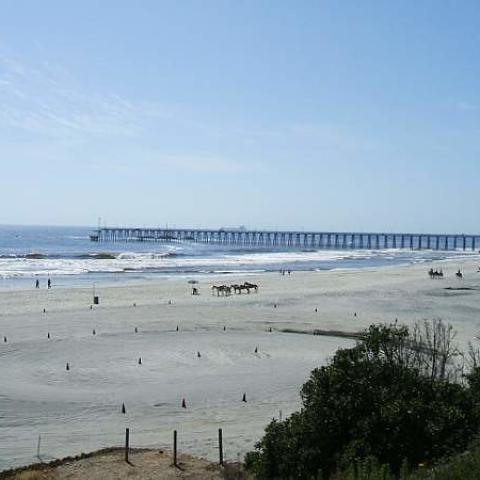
285	239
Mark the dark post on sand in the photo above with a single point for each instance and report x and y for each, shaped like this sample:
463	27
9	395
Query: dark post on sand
175	447
127	443
220	446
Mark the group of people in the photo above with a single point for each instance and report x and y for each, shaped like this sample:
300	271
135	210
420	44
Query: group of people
439	273
435	273
37	283
283	272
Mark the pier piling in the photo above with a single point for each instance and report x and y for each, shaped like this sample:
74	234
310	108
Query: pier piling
297	239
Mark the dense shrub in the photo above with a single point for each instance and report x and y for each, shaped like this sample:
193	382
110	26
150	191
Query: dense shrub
464	466
392	398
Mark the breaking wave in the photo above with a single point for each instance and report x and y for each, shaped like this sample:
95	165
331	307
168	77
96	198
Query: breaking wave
174	261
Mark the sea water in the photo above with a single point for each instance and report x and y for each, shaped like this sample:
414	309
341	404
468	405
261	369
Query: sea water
68	257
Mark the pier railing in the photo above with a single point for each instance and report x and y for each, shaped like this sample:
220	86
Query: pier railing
285	239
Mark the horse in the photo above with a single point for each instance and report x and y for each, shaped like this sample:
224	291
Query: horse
251	285
221	290
238	288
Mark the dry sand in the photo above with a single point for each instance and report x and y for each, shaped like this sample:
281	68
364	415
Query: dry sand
79	410
110	464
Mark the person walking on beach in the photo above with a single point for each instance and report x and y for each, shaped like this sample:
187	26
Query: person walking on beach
49	283
37	283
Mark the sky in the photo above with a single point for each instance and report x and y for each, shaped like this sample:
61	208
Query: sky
326	115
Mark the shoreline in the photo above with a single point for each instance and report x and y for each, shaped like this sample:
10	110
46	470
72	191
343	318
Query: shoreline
335	260
146	278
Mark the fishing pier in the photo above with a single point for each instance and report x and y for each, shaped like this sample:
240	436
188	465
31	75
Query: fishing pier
292	239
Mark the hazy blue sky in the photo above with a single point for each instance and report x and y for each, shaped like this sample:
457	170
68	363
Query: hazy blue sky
349	115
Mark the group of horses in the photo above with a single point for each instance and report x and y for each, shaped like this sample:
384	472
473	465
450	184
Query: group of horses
226	290
439	273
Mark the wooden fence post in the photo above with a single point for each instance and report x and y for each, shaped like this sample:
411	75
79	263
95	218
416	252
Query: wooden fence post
38	446
127	443
220	446
175	448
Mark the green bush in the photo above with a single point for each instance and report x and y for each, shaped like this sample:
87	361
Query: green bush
391	398
368	469
465	466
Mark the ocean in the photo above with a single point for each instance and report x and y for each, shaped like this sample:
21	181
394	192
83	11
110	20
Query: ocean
68	257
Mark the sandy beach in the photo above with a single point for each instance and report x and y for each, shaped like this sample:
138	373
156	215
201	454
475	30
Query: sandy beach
210	361
110	464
